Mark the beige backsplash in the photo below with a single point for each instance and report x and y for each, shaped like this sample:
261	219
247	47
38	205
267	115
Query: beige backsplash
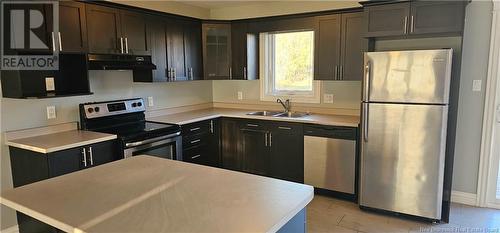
347	97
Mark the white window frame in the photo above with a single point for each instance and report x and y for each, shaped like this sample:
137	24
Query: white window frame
267	92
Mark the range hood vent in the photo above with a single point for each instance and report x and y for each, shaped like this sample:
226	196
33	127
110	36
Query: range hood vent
120	62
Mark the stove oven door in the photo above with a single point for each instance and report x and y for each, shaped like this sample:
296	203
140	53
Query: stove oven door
168	146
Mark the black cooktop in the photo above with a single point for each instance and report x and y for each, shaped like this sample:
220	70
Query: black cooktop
141	130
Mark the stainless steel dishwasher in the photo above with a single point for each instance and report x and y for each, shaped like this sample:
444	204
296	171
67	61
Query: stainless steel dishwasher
330	158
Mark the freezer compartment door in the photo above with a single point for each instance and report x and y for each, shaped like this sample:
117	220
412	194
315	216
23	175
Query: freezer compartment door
418	76
402	158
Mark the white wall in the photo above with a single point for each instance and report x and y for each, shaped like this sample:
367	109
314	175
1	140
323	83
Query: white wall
173	7
270	8
471	104
107	85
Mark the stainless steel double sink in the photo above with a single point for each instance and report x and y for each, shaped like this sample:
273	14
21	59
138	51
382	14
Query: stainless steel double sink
278	114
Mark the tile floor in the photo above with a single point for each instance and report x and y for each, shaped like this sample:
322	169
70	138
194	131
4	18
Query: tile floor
326	214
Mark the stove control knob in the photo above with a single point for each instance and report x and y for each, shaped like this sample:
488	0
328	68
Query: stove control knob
139	104
134	105
96	109
90	110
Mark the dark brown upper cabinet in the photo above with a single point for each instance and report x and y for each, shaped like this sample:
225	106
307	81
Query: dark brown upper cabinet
244	52
72	36
387	20
175	50
103	29
437	17
339	47
327	47
353	44
115	31
157	34
192	50
134	33
216	40
414	18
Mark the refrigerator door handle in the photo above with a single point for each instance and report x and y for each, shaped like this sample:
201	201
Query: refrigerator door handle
365	118
366	86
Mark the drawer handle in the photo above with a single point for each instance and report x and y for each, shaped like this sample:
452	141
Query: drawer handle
196	156
252	125
282	127
195	141
194	129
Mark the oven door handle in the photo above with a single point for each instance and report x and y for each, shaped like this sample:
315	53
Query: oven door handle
132	144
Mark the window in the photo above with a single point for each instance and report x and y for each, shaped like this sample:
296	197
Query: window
288	67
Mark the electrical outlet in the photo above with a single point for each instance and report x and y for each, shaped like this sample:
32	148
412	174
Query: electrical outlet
51	112
476	85
328	98
49	84
240	95
151	102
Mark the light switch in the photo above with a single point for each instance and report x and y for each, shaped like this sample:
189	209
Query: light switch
151	102
498	113
476	85
51	112
328	98
240	95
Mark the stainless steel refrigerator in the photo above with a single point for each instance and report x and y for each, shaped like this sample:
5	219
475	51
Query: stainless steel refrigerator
403	131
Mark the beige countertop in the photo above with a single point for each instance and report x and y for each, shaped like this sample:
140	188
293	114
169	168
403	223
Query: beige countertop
60	141
149	194
210	113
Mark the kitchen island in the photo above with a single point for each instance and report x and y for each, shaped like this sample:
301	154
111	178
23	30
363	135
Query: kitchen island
149	194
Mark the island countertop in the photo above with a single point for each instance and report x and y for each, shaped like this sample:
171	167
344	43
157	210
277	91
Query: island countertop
149	194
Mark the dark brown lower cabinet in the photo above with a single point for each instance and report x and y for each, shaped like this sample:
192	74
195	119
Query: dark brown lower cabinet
201	143
287	151
254	147
29	167
268	148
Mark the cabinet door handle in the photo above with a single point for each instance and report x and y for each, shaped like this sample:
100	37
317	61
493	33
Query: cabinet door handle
126	44
341	73
252	125
411	24
270	139
121	44
84	153
211	126
195	141
91	156
196	156
230	73
53	42
60	41
265	140
406	25
245	72
335	73
286	128
194	129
